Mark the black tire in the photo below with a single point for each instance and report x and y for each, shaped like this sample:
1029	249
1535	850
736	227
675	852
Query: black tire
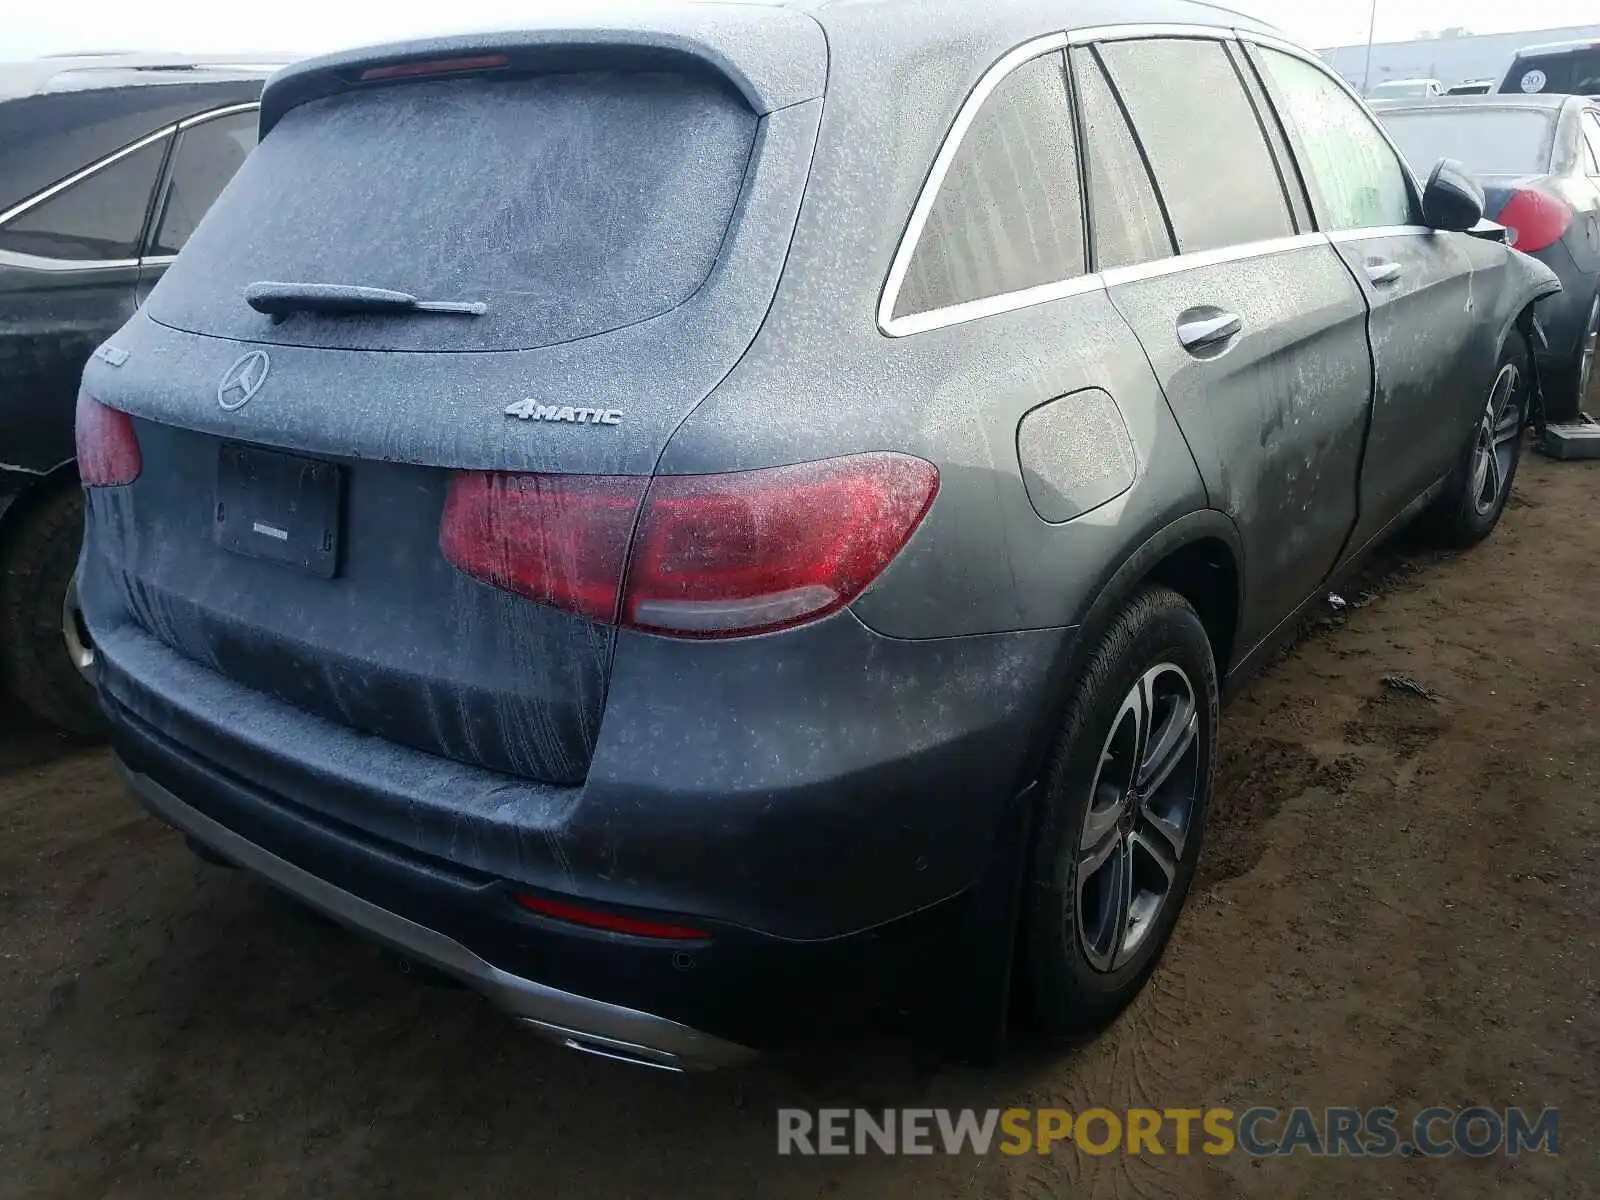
1564	389
1466	512
1069	992
40	557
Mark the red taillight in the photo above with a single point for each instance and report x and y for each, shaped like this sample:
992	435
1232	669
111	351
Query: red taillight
434	66
1535	221
758	550
560	910
713	555
108	451
559	539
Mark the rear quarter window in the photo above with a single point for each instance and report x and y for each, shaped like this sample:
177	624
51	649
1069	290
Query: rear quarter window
1008	215
569	204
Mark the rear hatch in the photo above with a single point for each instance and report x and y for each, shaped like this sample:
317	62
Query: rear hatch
611	207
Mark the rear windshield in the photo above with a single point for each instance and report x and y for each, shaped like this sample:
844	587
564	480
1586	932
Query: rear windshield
1576	73
569	204
1490	141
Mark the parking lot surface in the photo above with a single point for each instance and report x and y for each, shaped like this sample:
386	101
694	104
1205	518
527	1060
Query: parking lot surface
1397	906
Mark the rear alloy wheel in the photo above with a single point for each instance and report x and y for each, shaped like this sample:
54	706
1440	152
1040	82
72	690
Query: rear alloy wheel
1477	491
1141	807
1123	816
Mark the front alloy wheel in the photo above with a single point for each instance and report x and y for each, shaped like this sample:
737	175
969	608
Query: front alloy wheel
1494	452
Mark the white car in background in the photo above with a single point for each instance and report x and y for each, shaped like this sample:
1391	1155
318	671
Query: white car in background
1406	89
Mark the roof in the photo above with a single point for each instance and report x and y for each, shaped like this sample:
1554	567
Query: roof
108	69
1558	48
1061	14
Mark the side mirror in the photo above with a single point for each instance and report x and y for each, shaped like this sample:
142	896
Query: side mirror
1453	200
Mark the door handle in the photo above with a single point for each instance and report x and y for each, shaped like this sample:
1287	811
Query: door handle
1382	273
1207	328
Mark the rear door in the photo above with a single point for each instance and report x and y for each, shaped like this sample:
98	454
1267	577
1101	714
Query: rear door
209	149
1255	329
1418	283
69	265
1585	192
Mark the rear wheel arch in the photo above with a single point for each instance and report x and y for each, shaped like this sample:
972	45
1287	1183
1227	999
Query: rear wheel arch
39	546
1201	557
62	477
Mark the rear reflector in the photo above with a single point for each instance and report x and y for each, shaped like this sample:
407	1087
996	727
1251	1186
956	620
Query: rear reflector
712	555
1535	221
108	451
560	910
434	66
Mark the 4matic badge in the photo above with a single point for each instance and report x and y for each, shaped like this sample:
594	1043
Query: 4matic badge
532	410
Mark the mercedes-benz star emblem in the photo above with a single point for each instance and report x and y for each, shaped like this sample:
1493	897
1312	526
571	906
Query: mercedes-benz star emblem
243	380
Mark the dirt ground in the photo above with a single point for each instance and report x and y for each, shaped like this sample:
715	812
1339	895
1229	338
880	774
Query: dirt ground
1398	907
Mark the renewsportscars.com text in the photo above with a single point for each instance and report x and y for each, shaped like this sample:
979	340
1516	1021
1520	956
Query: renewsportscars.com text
1258	1132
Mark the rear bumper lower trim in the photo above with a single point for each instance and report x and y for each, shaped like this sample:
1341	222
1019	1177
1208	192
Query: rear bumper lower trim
576	1021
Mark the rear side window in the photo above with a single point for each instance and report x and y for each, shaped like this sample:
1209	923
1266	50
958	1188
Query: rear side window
1008	215
1204	142
207	156
570	205
1124	213
98	219
1357	181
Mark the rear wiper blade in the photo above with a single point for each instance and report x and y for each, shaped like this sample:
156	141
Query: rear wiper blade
281	299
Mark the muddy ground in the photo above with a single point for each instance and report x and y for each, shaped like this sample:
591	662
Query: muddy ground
1398	906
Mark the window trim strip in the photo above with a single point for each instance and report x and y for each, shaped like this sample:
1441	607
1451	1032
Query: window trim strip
1093	34
100	164
1099	281
1243	252
82	173
1096	281
217	113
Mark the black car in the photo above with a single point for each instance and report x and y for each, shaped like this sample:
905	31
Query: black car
1538	157
1554	69
109	162
691	523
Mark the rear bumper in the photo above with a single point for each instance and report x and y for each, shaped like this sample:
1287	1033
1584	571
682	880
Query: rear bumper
577	1021
811	785
818	801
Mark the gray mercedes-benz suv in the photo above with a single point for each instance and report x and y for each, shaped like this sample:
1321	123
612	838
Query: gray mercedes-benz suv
680	524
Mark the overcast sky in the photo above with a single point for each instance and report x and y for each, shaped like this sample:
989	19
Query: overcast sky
41	27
